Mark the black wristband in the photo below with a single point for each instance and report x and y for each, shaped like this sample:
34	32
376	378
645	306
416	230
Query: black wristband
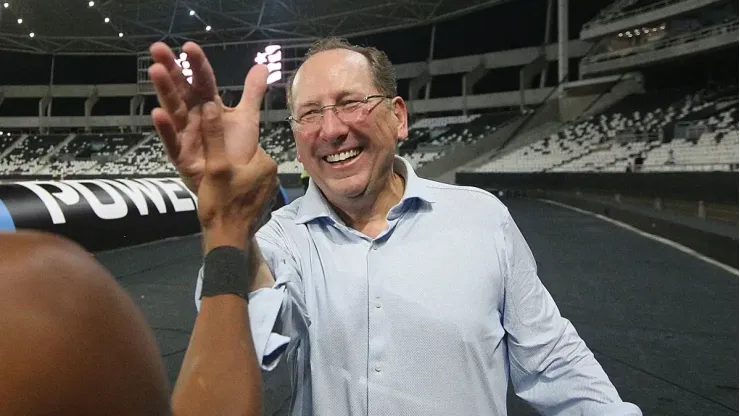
225	271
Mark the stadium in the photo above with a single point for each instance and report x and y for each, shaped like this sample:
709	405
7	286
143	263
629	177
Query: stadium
609	128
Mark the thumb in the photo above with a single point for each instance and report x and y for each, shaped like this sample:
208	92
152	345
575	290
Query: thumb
255	87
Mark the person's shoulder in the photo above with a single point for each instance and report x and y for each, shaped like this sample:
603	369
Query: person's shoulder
466	197
282	222
288	213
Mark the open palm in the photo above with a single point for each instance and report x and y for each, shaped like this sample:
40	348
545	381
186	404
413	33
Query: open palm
178	120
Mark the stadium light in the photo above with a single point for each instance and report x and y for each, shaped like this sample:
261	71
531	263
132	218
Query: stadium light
107	20
183	63
91	3
271	56
6	5
120	34
20	21
208	28
31	34
192	12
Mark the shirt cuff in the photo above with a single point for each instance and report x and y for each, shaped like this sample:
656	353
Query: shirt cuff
264	308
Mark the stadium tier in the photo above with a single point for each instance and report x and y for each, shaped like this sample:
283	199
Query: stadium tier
640	125
143	154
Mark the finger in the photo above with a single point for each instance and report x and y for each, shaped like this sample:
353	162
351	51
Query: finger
167	132
204	80
254	91
169	97
212	131
162	54
190	139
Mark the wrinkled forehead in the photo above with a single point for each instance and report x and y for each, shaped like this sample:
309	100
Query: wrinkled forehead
328	75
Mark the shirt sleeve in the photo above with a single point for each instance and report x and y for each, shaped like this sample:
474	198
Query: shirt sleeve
551	367
277	315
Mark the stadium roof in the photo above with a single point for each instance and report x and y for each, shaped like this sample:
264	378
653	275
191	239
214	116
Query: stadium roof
130	26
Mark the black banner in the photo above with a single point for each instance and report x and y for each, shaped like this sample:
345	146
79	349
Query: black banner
101	214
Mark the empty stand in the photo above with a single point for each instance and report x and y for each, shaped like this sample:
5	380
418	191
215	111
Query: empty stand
638	125
149	158
25	158
431	138
85	152
611	141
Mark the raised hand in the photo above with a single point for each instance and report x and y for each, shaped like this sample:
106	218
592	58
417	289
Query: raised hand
232	194
178	120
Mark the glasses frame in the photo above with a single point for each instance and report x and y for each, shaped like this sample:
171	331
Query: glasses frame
334	107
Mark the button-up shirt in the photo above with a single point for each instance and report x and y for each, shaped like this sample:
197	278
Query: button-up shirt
431	318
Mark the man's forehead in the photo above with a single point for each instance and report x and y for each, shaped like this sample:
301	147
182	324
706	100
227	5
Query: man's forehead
330	73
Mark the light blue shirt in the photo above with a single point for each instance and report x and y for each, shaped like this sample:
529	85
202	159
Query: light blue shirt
431	318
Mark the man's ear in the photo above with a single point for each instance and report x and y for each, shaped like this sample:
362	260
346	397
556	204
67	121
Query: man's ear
401	113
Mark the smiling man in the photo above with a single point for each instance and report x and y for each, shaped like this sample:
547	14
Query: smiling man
389	294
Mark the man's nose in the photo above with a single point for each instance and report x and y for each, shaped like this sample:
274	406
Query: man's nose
332	127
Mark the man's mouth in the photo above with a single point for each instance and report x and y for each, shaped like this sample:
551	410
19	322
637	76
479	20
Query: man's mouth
345	156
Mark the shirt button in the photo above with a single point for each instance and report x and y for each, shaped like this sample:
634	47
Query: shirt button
377	368
377	305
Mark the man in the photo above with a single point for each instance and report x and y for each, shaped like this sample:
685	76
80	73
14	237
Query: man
389	294
74	343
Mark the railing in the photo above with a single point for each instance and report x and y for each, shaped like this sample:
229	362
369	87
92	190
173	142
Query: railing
692	167
607	12
665	43
627	136
619	16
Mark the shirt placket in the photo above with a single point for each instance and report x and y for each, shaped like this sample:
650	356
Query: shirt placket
377	325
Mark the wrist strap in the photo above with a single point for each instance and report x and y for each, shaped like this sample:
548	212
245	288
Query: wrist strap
225	271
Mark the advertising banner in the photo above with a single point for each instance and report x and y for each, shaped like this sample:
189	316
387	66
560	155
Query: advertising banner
101	214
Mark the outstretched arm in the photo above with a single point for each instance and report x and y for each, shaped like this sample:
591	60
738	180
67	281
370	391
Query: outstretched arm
220	373
551	366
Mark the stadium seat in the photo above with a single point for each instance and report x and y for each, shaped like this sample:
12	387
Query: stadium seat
636	125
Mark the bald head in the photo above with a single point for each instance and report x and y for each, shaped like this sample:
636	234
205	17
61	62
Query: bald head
328	72
73	341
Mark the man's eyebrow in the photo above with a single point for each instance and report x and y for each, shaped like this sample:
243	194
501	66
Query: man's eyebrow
313	103
305	104
345	93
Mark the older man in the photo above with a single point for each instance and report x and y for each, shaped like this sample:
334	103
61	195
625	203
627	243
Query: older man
387	293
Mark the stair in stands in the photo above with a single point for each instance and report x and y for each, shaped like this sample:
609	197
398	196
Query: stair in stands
13	146
45	158
131	150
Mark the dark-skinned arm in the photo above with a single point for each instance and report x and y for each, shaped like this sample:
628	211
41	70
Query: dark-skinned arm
220	374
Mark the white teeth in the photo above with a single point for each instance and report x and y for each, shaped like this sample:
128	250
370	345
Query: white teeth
338	157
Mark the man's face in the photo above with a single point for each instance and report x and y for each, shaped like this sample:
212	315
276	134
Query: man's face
352	157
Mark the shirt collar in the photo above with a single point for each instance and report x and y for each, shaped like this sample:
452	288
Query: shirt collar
314	204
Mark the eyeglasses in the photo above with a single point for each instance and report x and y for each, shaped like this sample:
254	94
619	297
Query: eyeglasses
348	111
